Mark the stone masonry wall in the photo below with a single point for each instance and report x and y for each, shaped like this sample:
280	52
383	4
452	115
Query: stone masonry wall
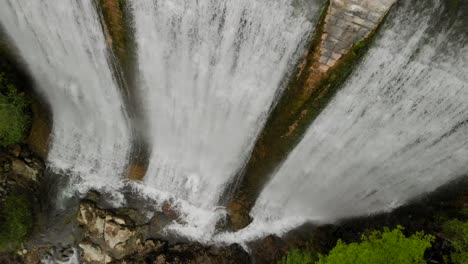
348	22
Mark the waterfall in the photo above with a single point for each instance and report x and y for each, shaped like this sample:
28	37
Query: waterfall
397	129
62	44
209	73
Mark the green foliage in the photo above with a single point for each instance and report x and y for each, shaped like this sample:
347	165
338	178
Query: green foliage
389	246
13	113
15	222
456	232
297	256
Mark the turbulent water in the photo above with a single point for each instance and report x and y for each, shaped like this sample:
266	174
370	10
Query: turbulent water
209	73
62	44
397	129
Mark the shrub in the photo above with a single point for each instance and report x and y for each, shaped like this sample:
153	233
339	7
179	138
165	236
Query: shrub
456	232
389	246
13	113
15	222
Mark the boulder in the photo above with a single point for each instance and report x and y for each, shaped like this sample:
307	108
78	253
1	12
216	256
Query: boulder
21	168
117	236
92	254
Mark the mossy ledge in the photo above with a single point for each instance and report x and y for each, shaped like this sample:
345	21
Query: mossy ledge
306	95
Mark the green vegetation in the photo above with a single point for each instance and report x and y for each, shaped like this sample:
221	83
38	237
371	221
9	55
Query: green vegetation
15	221
381	247
14	114
456	232
389	247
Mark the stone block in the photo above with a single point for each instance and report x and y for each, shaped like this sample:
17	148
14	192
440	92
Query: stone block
336	56
359	21
323	60
338	3
324	36
328	45
331	62
335	31
374	17
342	23
323	68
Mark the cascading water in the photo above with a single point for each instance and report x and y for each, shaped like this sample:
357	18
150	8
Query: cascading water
209	72
64	47
398	128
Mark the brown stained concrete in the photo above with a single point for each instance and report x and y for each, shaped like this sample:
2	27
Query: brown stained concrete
136	172
114	29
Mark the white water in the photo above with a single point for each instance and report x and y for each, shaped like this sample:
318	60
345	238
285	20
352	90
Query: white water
62	43
72	259
209	72
397	129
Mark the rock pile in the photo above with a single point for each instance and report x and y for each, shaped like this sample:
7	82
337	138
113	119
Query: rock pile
112	238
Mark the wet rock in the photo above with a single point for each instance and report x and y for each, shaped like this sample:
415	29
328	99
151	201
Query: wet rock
136	172
111	236
133	215
238	216
93	254
110	232
25	153
148	246
31	257
92	219
64	254
10	258
15	150
195	253
169	211
268	250
161	259
19	167
93	196
117	236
